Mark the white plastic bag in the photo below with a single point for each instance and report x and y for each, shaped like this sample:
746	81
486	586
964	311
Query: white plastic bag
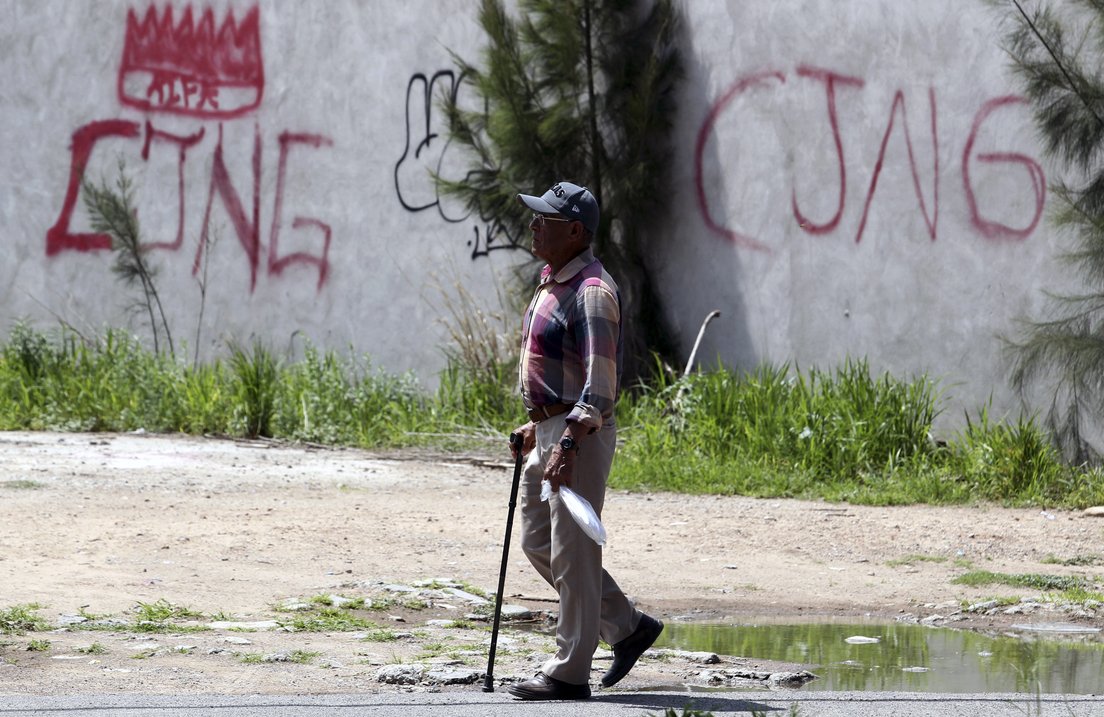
580	510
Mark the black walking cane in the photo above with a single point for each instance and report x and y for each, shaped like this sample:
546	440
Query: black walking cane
515	441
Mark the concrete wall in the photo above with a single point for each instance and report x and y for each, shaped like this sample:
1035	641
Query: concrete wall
852	178
858	179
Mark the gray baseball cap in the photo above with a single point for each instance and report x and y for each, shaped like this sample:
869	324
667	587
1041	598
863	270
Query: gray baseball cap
568	200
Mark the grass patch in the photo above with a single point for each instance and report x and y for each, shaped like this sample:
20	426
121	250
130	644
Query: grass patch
912	559
19	619
435	649
299	657
1077	595
21	484
979	578
38	646
328	620
158	616
843	434
163	610
357	603
303	657
92	616
380	635
1004	601
94	649
461	625
1077	560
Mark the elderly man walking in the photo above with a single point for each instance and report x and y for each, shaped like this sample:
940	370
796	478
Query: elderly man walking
569	373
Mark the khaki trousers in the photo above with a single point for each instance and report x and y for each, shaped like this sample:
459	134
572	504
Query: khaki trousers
591	603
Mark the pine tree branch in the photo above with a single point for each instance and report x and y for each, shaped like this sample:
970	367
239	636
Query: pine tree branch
1065	73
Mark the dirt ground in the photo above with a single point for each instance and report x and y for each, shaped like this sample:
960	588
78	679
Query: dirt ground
236	529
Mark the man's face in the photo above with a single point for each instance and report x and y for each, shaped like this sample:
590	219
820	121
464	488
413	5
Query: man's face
555	238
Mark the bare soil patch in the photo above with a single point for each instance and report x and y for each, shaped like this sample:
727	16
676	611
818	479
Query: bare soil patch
100	523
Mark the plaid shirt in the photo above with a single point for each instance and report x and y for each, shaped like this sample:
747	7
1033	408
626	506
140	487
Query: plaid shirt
571	342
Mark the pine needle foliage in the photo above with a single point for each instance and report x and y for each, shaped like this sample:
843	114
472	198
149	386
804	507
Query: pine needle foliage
1056	51
577	90
112	212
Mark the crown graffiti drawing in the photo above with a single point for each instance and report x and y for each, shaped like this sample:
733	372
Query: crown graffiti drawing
191	68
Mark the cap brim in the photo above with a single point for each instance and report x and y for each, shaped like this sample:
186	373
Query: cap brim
537	204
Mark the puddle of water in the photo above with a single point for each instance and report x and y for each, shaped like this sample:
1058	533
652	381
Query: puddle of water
911	658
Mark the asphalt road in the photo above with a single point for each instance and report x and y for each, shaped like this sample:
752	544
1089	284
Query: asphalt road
613	704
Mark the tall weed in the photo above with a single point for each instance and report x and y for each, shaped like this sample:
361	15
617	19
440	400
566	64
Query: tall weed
256	375
776	431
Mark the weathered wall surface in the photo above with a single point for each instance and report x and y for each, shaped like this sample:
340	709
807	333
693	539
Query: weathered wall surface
852	178
858	179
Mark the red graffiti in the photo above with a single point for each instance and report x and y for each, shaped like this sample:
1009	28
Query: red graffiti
932	221
759	79
248	231
192	69
198	70
184	143
991	229
830	79
58	237
245	222
276	263
988	228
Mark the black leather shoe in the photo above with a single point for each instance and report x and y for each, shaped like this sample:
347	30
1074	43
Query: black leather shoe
543	687
629	650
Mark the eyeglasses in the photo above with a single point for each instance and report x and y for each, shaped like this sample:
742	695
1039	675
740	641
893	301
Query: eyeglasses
541	219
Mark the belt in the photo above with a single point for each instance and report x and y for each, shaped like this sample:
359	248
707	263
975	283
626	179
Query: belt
540	413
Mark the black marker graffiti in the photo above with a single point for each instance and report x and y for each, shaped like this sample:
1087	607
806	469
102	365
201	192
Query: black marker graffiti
424	155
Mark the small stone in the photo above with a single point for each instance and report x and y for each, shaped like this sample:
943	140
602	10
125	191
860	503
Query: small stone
516	612
790	680
749	674
237	640
67	620
400	674
453	677
701	658
296	606
980	606
1096	511
467	597
276	657
338	601
931	619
